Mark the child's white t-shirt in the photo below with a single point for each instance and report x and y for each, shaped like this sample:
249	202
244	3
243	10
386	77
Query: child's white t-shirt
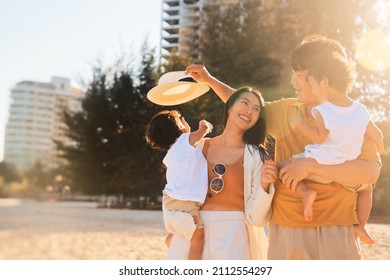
187	175
346	126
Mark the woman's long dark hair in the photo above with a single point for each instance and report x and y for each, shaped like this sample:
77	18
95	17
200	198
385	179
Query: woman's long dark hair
256	135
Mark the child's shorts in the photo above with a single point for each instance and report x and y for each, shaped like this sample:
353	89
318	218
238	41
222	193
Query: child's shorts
324	180
191	207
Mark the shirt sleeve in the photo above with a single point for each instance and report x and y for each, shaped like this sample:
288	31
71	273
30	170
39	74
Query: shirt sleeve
179	223
258	204
273	114
369	151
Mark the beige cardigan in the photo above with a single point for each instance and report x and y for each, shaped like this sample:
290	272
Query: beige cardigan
257	207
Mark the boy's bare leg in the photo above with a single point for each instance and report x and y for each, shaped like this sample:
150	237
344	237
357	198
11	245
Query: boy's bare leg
196	245
363	209
308	196
168	240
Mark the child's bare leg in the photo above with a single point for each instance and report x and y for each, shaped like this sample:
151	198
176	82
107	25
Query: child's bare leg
363	209
168	240
308	196
196	245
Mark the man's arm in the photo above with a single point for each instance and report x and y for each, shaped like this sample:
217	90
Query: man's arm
373	132
201	75
354	172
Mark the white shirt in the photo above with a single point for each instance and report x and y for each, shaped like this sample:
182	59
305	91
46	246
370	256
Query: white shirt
346	126
186	174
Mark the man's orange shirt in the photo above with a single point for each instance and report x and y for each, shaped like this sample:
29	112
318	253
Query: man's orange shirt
334	205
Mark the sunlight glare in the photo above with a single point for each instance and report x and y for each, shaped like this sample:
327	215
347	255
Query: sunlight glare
373	51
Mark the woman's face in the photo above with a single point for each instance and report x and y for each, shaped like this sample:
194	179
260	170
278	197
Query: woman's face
245	111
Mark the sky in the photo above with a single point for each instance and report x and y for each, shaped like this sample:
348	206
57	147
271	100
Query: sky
45	38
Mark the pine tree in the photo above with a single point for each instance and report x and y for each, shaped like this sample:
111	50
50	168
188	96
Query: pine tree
110	154
89	130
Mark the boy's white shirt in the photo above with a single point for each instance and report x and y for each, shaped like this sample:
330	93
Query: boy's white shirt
257	207
186	171
347	126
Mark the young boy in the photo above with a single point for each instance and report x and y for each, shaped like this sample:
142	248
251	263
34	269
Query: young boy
186	173
340	122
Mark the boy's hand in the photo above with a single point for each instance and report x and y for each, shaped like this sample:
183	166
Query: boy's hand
205	126
186	128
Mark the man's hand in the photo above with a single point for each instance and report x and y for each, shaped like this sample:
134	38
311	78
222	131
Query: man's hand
269	174
296	170
199	73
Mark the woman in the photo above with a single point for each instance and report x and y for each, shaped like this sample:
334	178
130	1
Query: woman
240	185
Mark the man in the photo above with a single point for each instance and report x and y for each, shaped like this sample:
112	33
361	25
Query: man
330	234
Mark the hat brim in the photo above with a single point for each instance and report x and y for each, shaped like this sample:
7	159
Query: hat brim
176	93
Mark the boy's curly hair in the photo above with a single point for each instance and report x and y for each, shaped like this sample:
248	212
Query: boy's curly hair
163	130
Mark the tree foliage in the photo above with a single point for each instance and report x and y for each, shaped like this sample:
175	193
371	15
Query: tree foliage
109	154
235	46
8	173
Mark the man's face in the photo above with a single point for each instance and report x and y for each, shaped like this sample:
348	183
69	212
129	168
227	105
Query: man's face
302	87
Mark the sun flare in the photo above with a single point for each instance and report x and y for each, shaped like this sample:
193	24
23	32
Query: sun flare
373	51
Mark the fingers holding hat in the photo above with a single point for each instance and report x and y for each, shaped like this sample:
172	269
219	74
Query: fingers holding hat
198	72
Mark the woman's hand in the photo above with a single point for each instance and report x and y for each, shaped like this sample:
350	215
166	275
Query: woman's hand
269	174
199	73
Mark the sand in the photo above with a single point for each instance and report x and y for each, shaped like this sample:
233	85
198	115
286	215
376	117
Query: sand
81	231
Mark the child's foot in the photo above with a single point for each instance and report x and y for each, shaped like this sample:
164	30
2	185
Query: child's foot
168	240
308	200
363	235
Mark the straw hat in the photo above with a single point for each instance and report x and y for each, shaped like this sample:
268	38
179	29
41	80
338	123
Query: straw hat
176	88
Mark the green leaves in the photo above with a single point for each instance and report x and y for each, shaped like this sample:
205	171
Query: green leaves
109	155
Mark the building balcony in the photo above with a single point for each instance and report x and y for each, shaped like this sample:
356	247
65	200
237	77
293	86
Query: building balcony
171	21
171	30
171	3
171	10
171	39
170	13
191	2
169	47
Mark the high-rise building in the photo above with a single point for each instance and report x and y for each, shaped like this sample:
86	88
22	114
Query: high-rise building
36	122
180	21
181	24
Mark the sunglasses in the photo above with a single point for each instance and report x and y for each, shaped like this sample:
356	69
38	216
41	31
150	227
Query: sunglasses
216	184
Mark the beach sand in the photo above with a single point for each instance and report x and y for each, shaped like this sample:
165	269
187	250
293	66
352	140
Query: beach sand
81	231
